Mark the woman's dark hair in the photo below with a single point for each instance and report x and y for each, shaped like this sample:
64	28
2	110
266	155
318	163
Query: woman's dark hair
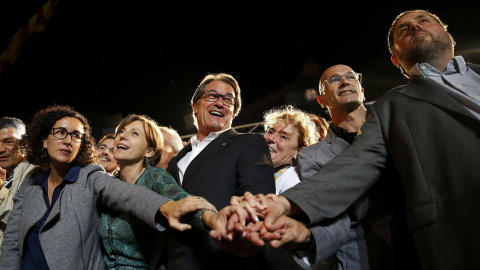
41	126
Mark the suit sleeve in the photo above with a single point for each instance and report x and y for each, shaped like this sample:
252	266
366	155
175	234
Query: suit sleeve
306	164
139	201
11	257
5	204
345	178
327	240
255	167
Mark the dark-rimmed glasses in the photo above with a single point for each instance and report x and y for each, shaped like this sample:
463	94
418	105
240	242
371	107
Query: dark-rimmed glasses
61	133
335	79
212	96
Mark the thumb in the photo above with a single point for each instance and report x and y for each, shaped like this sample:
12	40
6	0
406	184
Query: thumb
269	221
175	224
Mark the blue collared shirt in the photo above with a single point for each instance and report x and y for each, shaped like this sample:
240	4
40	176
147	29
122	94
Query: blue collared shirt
458	80
33	257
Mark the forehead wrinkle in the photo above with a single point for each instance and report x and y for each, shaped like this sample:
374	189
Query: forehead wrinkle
282	130
72	131
418	17
344	73
226	95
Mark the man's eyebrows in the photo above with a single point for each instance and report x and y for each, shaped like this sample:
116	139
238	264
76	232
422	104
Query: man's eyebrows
418	17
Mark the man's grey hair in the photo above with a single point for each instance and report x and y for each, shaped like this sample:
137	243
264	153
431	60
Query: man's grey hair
223	77
175	141
13	122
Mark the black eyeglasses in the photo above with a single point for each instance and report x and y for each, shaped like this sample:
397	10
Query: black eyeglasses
212	96
61	133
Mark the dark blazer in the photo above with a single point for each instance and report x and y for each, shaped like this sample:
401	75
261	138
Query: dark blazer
230	165
433	144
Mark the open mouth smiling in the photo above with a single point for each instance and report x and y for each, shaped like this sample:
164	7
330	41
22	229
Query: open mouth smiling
216	113
122	147
105	158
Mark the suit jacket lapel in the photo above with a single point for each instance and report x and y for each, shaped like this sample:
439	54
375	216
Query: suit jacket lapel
337	145
217	145
425	90
56	207
475	68
36	207
173	164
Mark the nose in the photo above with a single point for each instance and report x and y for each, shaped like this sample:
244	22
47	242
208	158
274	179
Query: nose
219	102
68	139
2	147
270	138
122	136
415	26
344	81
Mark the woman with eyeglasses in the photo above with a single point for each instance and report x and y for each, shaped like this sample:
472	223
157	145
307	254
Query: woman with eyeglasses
56	212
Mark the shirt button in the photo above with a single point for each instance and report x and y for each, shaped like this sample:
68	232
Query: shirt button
478	97
459	86
422	67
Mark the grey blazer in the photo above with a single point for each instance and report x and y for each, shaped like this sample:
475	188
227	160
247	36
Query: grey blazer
312	158
334	237
69	237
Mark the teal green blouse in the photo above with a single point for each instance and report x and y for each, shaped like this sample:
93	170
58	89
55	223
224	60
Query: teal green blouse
127	241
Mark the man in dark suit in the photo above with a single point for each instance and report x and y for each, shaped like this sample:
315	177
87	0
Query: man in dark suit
428	134
217	164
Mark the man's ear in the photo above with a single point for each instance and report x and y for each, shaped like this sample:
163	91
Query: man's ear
195	107
320	100
394	60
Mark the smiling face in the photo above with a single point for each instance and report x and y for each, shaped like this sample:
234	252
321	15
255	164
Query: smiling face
9	158
64	151
419	38
213	116
105	154
344	95
131	144
282	141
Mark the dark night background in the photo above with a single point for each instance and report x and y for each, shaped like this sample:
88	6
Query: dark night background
107	59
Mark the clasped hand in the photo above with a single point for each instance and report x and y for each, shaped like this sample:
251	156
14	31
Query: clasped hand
244	226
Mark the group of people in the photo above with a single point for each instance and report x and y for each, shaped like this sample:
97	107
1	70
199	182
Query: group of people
391	186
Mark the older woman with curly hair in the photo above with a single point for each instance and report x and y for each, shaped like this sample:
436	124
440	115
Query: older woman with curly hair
288	130
56	212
